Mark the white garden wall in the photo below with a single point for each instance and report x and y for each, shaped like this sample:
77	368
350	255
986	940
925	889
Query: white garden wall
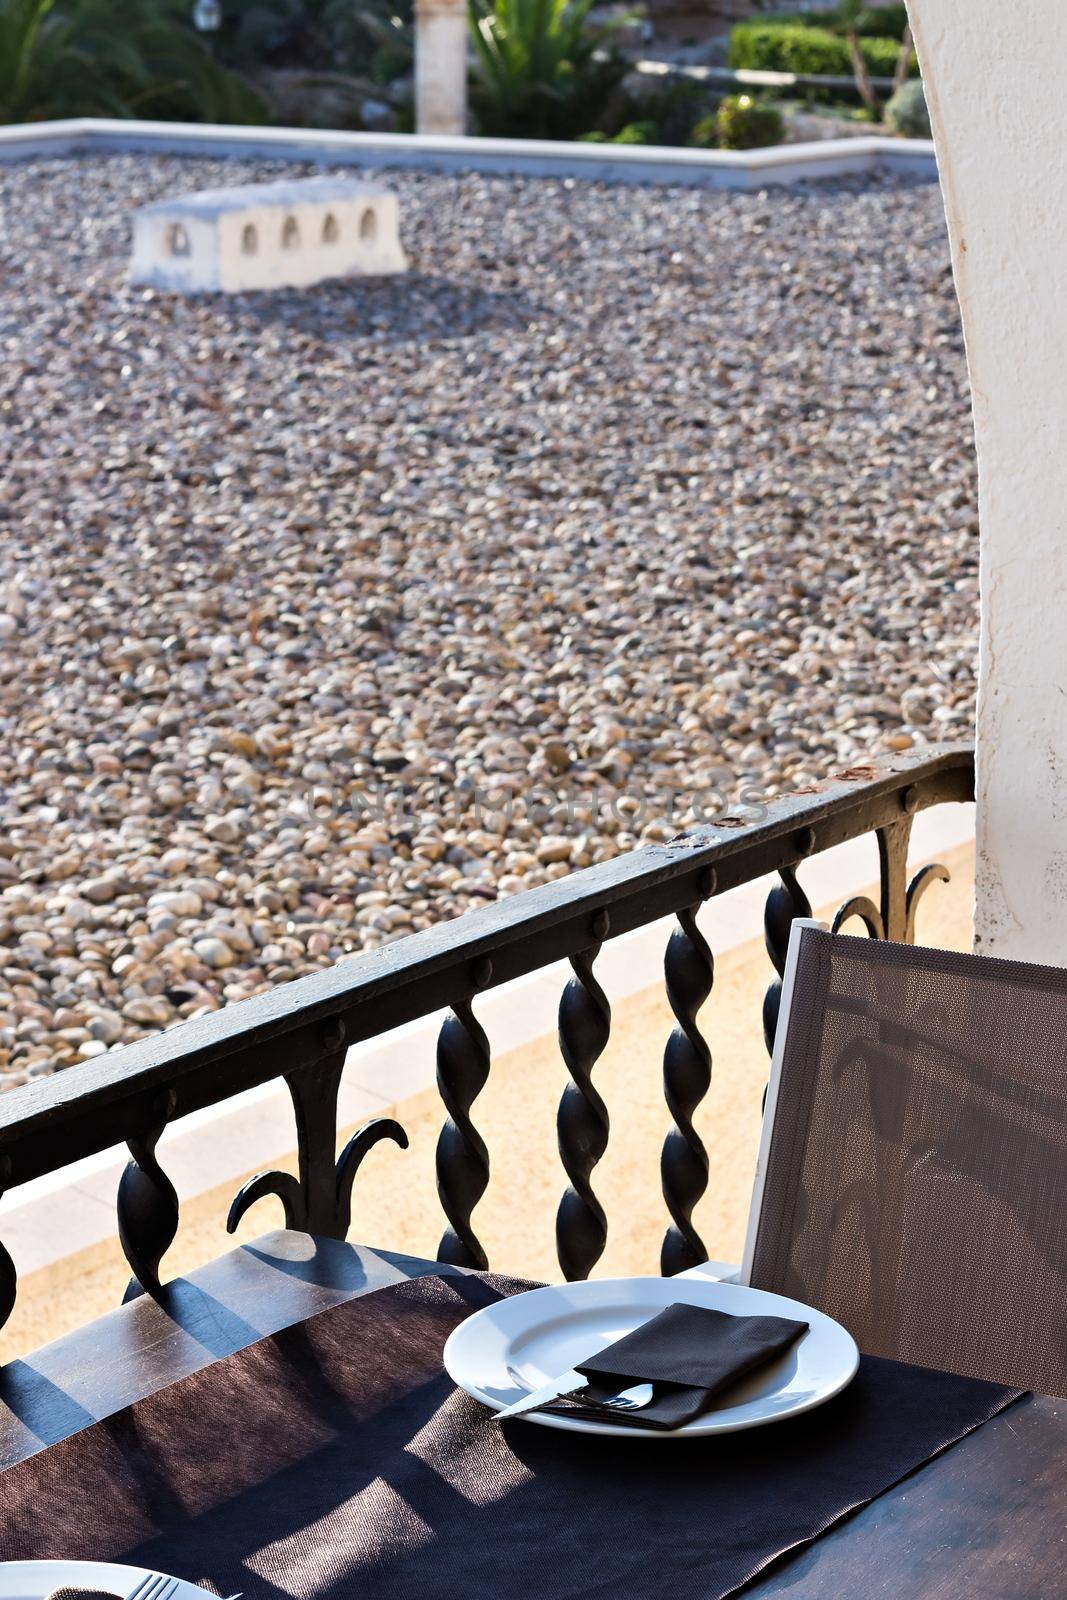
716	169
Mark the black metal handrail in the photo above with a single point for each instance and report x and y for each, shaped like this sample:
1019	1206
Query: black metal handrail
301	1031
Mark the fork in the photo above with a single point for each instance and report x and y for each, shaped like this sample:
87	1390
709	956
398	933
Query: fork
154	1586
157	1586
631	1399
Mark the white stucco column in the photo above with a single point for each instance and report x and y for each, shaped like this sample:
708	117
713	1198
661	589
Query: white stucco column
993	83
441	66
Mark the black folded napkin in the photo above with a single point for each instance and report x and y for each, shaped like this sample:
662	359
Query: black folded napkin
690	1353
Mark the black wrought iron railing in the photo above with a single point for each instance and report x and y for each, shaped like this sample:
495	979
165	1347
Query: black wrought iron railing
301	1031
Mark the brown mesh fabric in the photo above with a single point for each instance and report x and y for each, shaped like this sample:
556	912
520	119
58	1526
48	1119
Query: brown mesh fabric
916	1184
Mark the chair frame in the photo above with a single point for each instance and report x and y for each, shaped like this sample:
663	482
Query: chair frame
799	927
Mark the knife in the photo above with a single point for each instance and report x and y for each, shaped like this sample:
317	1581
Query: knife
540	1397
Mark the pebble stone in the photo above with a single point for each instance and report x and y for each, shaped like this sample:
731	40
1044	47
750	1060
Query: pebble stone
622	493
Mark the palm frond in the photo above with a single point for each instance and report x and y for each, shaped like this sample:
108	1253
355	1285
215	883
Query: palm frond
83	57
541	70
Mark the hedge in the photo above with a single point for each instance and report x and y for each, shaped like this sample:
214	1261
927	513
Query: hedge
883	22
878	22
814	52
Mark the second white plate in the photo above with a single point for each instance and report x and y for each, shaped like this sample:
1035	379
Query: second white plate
504	1351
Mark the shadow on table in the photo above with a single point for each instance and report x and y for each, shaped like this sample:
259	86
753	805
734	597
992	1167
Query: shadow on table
335	1459
268	1284
47	1411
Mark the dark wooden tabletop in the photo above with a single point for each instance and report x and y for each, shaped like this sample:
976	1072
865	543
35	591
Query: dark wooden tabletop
986	1520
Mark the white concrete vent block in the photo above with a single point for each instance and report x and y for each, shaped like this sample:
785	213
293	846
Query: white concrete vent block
268	236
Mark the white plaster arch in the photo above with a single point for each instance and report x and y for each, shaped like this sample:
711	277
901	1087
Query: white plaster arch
1000	127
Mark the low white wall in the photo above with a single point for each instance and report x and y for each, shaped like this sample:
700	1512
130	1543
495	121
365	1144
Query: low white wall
718	169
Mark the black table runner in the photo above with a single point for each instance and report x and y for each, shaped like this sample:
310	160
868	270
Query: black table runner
336	1461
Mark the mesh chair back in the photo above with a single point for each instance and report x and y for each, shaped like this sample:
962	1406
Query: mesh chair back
915	1183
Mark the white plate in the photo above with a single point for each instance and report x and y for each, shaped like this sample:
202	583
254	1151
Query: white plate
504	1351
31	1580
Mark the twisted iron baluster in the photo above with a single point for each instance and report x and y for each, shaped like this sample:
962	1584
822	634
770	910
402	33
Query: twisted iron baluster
786	901
462	1159
8	1275
689	970
319	1201
147	1204
582	1119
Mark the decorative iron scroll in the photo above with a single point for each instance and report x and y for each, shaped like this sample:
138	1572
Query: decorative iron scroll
895	918
319	1200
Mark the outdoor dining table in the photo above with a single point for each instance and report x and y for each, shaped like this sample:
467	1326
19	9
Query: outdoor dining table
983	1514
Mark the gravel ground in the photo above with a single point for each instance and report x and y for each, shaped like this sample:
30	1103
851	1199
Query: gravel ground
620	494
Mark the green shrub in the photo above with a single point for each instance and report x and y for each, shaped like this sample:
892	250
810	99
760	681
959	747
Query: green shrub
673	108
645	132
705	133
907	112
883	22
879	22
632	133
72	58
742	123
792	47
541	69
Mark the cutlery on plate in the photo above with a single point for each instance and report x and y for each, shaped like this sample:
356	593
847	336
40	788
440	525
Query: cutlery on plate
631	1399
153	1586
